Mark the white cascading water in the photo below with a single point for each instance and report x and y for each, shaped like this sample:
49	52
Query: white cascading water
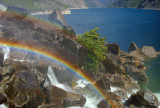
91	102
3	106
6	52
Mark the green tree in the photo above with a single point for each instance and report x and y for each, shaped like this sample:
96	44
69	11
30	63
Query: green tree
96	49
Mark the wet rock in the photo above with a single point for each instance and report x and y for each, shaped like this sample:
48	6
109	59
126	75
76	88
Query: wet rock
132	47
149	51
61	98
113	48
103	104
73	99
143	98
23	90
63	75
3	99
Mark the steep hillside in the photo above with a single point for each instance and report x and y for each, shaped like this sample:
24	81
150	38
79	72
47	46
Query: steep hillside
150	4
126	3
41	5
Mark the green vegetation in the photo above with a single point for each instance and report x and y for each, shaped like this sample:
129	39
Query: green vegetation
96	48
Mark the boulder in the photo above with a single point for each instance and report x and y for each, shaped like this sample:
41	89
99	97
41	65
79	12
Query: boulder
73	99
113	48
143	98
61	98
132	47
149	51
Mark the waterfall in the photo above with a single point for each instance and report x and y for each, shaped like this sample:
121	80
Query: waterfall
55	82
6	52
91	101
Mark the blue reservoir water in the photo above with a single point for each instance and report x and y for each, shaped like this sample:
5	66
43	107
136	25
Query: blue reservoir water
123	26
119	25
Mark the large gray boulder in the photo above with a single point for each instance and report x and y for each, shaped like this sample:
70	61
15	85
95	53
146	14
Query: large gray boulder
149	51
143	98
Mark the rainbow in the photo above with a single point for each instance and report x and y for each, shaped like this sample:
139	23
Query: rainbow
53	57
57	59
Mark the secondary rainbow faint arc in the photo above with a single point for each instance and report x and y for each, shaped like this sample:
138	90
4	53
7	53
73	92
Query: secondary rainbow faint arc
55	58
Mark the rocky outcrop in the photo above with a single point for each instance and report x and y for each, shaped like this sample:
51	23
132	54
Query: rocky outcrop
149	51
143	98
57	17
132	47
149	4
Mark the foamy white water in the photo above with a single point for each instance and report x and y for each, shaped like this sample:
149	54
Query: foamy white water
91	101
6	52
3	106
81	83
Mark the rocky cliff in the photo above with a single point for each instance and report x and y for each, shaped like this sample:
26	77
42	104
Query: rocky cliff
149	4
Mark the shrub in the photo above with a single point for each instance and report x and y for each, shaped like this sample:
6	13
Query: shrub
96	49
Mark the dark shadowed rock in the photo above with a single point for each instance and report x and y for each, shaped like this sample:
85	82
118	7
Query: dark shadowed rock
132	47
113	48
149	51
3	99
143	98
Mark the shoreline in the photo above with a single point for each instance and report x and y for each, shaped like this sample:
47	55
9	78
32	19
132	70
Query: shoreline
67	11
